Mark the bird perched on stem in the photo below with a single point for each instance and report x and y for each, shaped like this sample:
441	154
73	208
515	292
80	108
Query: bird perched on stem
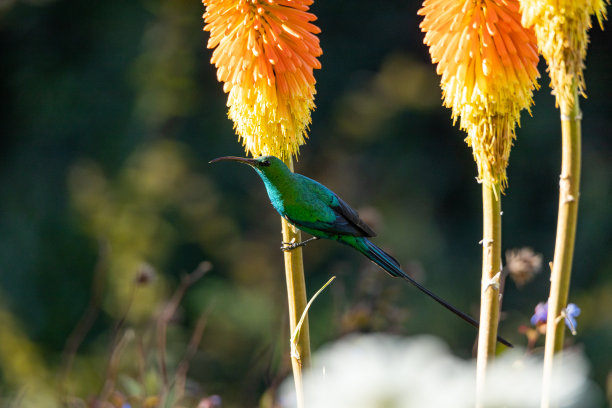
315	209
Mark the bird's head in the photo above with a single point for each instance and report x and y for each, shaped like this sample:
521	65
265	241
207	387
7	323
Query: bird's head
268	167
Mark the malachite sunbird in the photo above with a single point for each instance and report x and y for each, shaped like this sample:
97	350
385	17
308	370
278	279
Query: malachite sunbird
315	209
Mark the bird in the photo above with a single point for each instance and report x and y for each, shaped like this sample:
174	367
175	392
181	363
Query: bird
315	209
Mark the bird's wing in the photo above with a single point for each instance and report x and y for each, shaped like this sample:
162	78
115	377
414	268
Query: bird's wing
322	210
345	214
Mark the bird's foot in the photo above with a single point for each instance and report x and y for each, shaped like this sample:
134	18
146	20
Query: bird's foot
289	246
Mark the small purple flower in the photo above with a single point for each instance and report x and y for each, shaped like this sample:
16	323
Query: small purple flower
214	401
540	315
571	312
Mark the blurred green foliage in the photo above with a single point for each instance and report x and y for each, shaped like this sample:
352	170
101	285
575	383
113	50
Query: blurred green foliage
111	112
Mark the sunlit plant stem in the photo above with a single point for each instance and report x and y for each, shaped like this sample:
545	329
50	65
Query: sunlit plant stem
488	66
265	54
562	28
491	267
296	296
569	191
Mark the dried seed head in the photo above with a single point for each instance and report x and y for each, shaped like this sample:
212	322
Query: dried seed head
523	264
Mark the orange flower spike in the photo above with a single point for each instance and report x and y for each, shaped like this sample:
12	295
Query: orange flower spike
265	53
488	67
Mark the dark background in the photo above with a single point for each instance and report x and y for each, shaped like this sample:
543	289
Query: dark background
110	113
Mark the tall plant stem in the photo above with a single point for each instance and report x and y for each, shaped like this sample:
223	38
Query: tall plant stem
569	191
296	294
491	271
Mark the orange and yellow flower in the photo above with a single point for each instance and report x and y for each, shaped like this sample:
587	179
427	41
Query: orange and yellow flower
265	53
561	27
488	66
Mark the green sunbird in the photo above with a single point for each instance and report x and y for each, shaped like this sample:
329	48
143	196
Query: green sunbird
315	209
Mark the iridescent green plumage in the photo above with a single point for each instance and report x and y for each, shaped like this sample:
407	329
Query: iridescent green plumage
315	209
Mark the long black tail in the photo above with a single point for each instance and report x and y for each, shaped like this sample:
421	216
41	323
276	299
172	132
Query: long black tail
391	266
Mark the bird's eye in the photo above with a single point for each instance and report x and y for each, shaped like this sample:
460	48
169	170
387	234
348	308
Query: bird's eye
264	163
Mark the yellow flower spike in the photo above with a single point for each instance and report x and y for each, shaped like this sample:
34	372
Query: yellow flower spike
488	66
561	27
265	53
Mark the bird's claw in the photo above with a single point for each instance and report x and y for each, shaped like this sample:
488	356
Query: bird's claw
290	246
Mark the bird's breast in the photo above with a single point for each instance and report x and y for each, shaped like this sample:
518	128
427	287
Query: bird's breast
276	198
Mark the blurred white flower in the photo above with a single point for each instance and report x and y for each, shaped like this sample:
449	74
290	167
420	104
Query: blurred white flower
376	371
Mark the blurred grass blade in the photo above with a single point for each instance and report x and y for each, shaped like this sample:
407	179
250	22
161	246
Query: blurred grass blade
296	332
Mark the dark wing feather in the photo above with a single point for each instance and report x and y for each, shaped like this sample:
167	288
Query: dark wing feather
351	216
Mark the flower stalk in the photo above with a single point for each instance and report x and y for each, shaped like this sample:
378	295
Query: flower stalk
297	301
265	54
488	66
569	192
490	288
562	28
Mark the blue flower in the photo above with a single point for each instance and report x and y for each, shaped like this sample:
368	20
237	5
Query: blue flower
540	315
570	313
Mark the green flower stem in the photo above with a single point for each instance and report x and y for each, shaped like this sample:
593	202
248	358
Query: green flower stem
296	294
569	191
491	268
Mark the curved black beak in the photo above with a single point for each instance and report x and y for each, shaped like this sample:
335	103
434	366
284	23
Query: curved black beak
250	162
